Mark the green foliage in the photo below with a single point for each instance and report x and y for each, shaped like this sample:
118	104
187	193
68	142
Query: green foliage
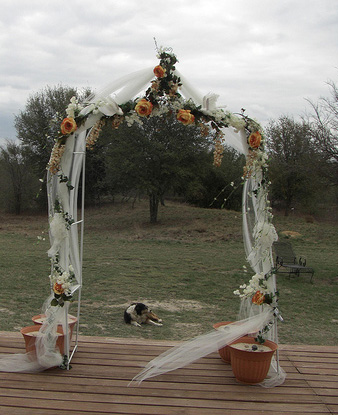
165	157
96	182
218	187
38	125
159	156
18	185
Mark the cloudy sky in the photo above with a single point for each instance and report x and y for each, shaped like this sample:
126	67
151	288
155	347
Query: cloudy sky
264	55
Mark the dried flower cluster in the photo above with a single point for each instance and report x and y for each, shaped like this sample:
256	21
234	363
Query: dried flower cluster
94	134
256	159
55	157
219	149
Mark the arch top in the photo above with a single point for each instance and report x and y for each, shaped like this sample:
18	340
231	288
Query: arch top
158	92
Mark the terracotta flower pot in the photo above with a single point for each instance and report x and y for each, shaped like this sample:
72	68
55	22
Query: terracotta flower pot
30	333
224	352
251	366
72	320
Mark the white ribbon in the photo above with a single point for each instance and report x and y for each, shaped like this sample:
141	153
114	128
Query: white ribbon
58	232
107	106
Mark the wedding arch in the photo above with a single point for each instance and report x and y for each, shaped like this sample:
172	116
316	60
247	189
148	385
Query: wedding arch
156	92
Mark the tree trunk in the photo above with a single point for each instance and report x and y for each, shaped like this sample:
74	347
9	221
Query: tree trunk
288	204
17	203
153	206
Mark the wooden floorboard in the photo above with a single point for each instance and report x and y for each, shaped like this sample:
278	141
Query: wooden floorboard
103	367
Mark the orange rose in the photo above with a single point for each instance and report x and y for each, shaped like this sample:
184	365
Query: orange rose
185	117
255	140
159	71
258	298
144	108
58	289
68	126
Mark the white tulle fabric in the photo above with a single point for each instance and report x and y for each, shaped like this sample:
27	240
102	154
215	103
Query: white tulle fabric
201	346
259	235
46	355
66	244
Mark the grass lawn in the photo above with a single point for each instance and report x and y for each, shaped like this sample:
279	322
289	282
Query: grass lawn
186	268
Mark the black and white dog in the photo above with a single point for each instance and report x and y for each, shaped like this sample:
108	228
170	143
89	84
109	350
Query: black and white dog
139	313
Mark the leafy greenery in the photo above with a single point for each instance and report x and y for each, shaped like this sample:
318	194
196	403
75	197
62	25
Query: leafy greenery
153	158
185	267
303	168
18	182
38	125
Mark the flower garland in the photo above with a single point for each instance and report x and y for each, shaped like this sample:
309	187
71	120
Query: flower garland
61	280
61	283
162	98
259	290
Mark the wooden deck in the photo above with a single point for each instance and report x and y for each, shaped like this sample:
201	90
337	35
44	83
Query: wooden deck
103	367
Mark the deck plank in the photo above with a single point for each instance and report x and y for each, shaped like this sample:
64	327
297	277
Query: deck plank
103	367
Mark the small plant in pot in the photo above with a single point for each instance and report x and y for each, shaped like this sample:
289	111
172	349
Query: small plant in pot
251	356
250	360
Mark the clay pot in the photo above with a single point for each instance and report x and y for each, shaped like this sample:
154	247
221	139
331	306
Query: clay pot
72	320
248	366
29	333
224	352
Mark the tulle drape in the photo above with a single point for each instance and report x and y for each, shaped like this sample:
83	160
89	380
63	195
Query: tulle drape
201	346
259	235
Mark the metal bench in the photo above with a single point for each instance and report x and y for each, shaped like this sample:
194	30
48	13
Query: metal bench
287	262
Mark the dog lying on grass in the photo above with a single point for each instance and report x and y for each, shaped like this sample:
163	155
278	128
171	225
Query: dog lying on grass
138	313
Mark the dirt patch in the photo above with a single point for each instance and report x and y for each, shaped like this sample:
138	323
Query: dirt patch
291	234
7	311
172	305
187	325
188	330
175	305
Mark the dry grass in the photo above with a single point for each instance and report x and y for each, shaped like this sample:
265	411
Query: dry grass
186	267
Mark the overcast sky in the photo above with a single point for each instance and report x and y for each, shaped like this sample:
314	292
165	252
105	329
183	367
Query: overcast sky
264	55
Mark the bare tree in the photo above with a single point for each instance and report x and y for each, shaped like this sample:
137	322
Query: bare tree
323	122
293	165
